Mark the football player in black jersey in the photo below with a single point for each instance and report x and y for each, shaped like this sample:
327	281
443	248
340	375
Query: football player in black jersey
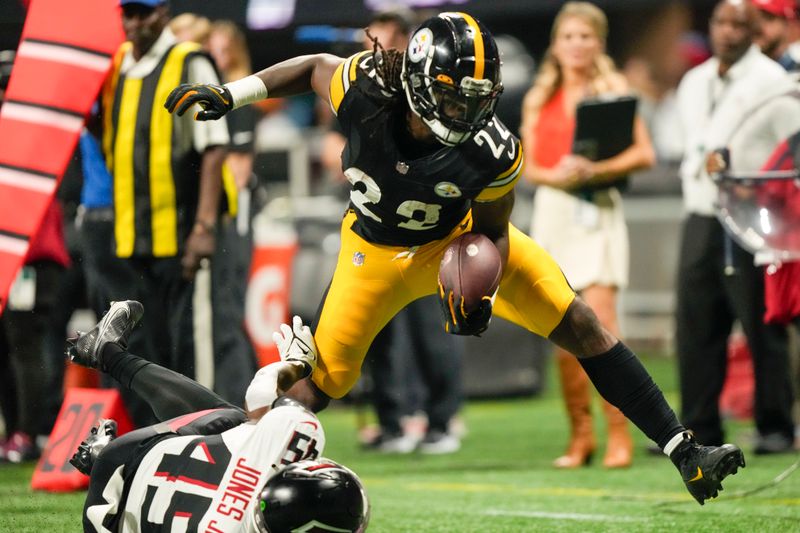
427	161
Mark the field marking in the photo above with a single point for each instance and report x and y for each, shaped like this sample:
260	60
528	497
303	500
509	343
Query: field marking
529	491
562	516
666	498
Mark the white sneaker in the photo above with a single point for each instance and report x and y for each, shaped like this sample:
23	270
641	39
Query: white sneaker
399	444
439	443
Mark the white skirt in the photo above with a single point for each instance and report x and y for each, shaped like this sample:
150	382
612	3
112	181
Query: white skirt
588	239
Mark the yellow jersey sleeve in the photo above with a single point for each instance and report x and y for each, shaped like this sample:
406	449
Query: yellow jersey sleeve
343	77
505	181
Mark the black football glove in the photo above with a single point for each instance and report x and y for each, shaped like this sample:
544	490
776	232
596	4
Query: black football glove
214	99
457	321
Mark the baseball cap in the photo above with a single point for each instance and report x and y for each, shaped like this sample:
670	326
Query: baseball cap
779	8
148	3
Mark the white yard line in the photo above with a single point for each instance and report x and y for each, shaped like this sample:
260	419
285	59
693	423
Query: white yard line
561	516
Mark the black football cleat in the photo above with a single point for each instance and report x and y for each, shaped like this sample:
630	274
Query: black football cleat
116	326
704	467
99	437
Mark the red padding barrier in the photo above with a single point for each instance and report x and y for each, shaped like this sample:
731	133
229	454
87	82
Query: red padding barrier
81	410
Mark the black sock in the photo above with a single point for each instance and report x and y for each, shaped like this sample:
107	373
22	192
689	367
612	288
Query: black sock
121	365
168	393
621	379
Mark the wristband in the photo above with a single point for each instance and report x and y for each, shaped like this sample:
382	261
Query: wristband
246	90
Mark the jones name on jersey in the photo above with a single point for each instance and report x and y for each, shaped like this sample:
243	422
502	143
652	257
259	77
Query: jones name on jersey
209	483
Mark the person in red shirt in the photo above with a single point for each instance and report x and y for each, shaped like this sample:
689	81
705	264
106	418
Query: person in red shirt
585	232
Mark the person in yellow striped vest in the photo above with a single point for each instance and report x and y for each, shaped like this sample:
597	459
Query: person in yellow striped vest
166	192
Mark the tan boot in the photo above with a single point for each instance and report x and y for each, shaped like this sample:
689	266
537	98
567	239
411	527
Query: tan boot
619	452
575	389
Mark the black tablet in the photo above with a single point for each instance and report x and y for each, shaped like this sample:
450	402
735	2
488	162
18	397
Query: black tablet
604	127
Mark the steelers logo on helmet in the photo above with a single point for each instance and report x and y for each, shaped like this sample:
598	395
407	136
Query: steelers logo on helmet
455	89
419	45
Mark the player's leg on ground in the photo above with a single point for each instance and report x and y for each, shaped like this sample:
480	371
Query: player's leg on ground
168	393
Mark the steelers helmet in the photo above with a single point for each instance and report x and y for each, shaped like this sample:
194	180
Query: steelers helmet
314	495
451	76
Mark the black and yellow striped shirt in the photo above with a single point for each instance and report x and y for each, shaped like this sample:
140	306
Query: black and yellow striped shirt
151	154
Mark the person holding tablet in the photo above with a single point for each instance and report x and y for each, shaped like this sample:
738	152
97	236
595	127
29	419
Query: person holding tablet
578	215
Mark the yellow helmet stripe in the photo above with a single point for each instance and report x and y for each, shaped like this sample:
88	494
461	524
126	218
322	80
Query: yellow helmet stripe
477	42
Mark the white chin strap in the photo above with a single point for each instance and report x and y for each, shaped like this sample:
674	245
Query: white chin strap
444	134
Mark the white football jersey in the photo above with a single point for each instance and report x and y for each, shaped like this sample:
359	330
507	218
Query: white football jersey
211	484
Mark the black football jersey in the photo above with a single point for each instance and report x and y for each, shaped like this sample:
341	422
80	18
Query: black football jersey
401	200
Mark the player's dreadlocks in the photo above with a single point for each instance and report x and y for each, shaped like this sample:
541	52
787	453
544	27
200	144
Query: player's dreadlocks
389	69
388	64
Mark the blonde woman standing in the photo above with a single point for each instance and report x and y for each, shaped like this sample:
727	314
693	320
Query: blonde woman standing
584	232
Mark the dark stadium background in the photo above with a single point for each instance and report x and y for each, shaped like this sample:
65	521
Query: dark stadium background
528	20
636	27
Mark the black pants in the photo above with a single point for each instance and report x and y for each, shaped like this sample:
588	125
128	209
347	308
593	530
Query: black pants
234	355
22	355
167	330
70	294
102	269
415	344
709	300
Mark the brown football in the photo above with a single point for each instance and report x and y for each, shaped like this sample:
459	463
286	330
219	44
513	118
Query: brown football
471	267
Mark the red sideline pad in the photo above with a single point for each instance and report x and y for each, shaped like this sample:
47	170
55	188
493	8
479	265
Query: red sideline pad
267	299
81	410
738	393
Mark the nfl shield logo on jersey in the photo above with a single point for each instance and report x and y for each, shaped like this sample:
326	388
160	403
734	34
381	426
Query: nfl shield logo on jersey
358	259
445	189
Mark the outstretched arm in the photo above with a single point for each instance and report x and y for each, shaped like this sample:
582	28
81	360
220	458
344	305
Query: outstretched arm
294	76
300	75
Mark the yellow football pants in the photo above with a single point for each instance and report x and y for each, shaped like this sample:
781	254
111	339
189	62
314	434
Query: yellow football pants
373	282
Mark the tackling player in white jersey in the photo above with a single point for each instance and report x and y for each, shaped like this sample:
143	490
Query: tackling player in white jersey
210	466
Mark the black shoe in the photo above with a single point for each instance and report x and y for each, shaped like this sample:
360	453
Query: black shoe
99	437
704	467
116	326
773	443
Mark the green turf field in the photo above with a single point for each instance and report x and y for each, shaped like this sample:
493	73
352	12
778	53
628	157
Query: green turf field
501	481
